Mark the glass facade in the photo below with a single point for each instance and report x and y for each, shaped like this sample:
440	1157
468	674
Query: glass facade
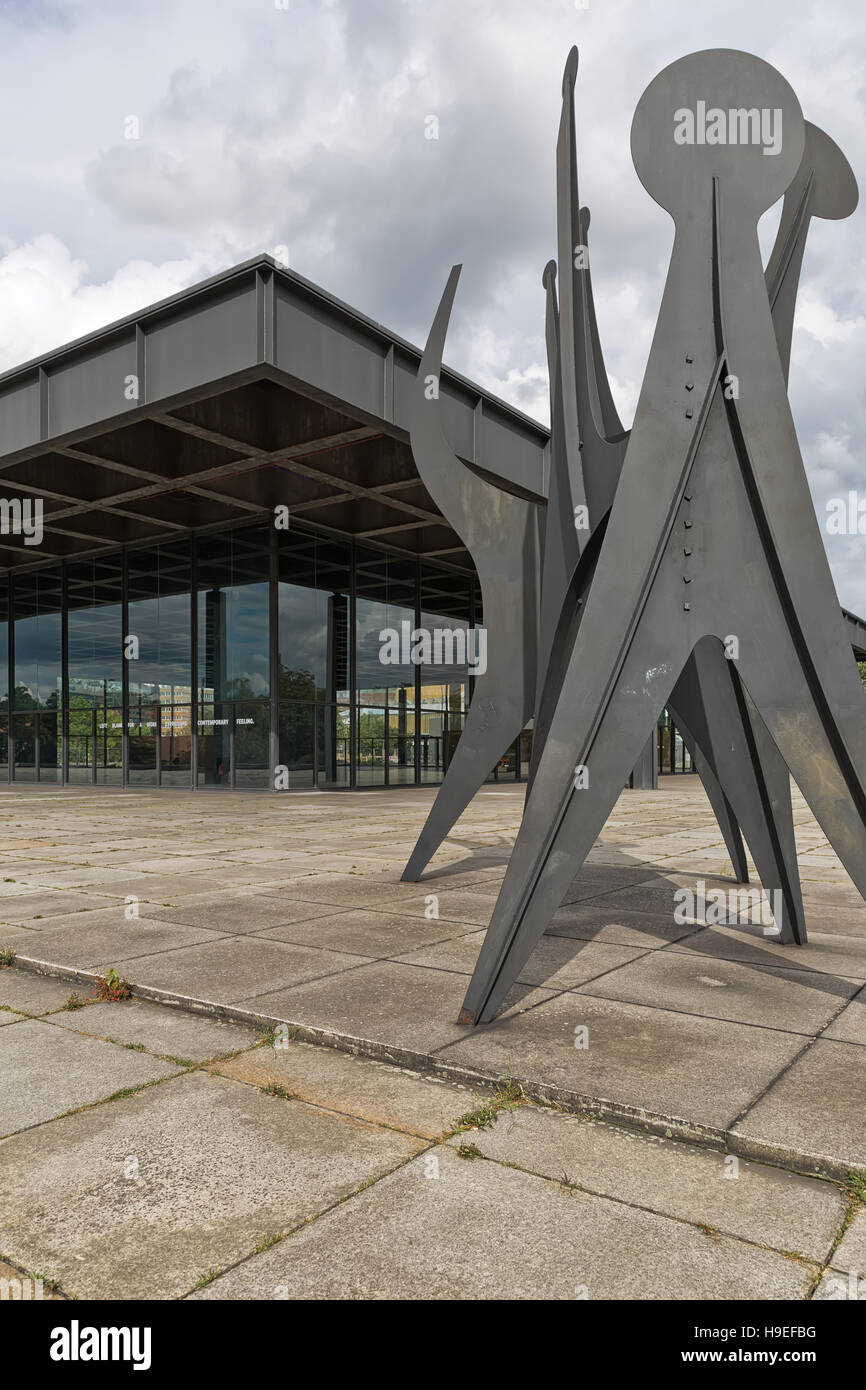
241	658
673	756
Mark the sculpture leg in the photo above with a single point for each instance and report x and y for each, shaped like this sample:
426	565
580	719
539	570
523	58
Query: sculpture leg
719	803
750	769
492	725
561	821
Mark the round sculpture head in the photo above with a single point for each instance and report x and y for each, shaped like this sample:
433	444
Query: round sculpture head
834	187
717	114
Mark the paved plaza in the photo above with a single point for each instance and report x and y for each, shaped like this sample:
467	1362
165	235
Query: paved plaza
287	1108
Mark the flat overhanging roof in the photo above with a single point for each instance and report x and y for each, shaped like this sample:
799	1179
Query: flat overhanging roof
250	390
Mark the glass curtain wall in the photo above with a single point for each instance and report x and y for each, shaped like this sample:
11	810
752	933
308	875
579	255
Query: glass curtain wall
94	605
151	666
233	683
313	659
446	613
385	619
37	730
157	648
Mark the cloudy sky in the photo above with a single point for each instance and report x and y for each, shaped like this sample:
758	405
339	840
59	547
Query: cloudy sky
267	123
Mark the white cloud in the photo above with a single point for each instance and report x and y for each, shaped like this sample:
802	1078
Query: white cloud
305	127
45	296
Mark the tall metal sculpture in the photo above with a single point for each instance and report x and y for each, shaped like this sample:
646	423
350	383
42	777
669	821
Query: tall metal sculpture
586	458
701	528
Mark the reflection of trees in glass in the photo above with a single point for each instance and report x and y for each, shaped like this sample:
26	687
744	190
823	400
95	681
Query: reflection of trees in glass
252	741
298	685
242	689
371	735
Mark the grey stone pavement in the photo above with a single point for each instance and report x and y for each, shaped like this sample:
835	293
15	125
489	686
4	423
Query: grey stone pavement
198	1140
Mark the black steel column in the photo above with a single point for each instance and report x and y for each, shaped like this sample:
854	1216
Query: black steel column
274	649
353	673
193	662
11	655
63	712
124	673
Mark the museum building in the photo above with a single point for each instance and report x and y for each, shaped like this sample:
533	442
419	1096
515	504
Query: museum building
229	516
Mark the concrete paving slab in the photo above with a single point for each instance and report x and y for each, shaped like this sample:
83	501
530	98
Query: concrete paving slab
364	931
180	864
657	895
850	1253
844	956
13	890
351	890
10	935
7	1016
97	940
474	871
159	1028
607	881
33	907
823	894
850	1025
399	1007
45	1071
217	1168
837	920
164	888
33	994
470	906
796	1000
369	1090
815	1109
699	1071
752	1201
482	1231
556	962
96	877
594	921
236	913
227	969
598	879
20	868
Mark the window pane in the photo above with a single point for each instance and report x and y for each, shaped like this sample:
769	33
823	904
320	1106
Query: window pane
385	605
252	745
49	747
298	744
95	637
159	617
233	614
333	734
142	725
313	617
37	639
175	745
214	745
24	728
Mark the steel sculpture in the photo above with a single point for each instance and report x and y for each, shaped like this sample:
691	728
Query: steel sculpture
711	531
499	715
740	766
